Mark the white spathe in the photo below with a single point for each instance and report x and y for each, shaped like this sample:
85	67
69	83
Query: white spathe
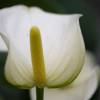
62	41
81	89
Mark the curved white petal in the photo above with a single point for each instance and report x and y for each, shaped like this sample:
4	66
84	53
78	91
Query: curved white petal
81	89
15	26
62	45
2	45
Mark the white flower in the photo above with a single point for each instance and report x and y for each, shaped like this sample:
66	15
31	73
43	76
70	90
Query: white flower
62	43
81	89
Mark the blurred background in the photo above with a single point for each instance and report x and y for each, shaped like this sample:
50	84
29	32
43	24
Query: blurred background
90	25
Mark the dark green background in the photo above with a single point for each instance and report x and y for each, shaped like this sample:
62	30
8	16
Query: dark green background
90	26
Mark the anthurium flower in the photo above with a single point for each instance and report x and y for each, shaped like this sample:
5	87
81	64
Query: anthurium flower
44	49
81	89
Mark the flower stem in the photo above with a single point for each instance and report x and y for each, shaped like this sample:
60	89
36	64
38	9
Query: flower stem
39	93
